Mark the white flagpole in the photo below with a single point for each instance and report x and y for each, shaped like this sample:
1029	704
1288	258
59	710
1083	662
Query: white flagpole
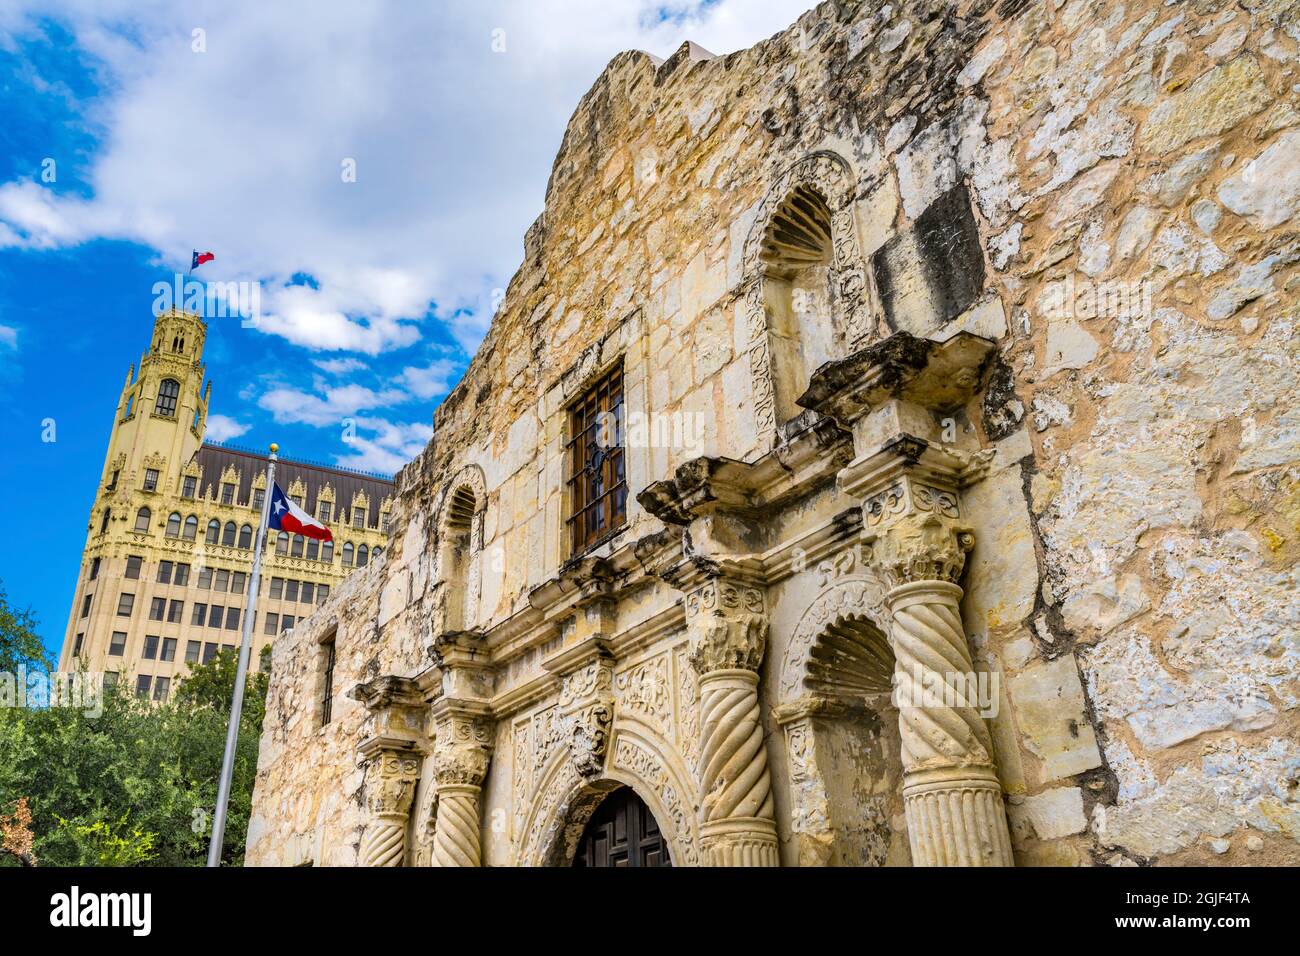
241	674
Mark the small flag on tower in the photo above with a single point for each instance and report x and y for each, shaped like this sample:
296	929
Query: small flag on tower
199	258
287	516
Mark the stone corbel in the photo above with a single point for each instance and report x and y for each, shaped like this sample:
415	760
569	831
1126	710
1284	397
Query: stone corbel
586	702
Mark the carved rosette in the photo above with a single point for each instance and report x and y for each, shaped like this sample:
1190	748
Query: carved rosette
461	753
728	625
391	789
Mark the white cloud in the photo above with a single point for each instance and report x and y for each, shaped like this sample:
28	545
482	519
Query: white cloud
390	446
223	428
340	366
240	148
292	406
434	379
9	337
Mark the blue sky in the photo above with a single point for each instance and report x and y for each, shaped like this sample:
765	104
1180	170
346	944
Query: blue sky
231	127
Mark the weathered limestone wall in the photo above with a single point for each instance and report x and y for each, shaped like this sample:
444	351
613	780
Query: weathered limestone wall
1107	191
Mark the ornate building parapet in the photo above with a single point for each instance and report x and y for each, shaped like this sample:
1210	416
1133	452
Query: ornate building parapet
891	396
391	754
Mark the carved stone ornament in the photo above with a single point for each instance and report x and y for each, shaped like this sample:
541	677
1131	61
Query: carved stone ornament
587	703
921	546
461	752
393	787
728	626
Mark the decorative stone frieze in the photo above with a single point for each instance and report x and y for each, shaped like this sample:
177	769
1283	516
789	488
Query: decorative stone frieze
587	703
890	396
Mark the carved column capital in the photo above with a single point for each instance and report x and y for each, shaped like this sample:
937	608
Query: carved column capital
391	777
727	619
921	547
462	748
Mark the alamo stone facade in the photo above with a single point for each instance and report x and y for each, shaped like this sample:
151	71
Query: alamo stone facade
952	505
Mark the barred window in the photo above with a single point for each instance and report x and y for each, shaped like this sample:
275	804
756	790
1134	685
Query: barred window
327	690
597	481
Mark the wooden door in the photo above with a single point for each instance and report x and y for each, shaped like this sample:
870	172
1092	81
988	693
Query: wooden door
622	832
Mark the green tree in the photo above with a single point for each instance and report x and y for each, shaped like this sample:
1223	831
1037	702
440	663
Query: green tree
19	644
137	783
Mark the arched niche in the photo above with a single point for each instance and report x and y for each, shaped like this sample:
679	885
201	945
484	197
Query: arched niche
459	548
841	728
806	299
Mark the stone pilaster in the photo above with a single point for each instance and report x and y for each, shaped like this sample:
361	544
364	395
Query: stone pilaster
727	621
391	752
894	397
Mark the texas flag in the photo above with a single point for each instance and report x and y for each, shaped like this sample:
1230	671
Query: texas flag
287	516
198	258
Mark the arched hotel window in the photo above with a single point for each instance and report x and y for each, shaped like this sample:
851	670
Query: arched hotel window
282	543
191	528
347	554
214	532
168	391
295	545
103	525
327	552
142	519
228	535
246	537
174	525
363	556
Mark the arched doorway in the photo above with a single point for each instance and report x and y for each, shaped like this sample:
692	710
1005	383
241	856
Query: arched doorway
622	833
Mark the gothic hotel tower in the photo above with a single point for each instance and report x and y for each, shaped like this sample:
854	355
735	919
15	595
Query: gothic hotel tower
169	543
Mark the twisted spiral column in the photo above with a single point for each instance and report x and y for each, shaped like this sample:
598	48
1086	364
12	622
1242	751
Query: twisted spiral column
391	788
951	793
456	839
729	631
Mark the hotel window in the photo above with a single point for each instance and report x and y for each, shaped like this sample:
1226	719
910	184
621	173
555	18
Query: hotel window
325	512
168	390
168	649
117	644
76	647
189	485
221	580
272	625
192	652
174	611
215	613
282	543
112	481
347	554
359	517
125	604
157	609
182	575
209	651
383	521
277	588
597	482
199	613
327	552
205	578
259	496
151	479
94	569
295	549
322	592
110	678
363	555
307	589
160	688
237	582
133	563
227	493
327	683
103	525
291	590
286	622
313	549
191	528
142	685
228	535
85	605
214	532
165	572
232	618
246	537
150	651
142	519
173	525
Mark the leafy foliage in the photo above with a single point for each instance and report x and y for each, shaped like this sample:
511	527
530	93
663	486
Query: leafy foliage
136	784
18	641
